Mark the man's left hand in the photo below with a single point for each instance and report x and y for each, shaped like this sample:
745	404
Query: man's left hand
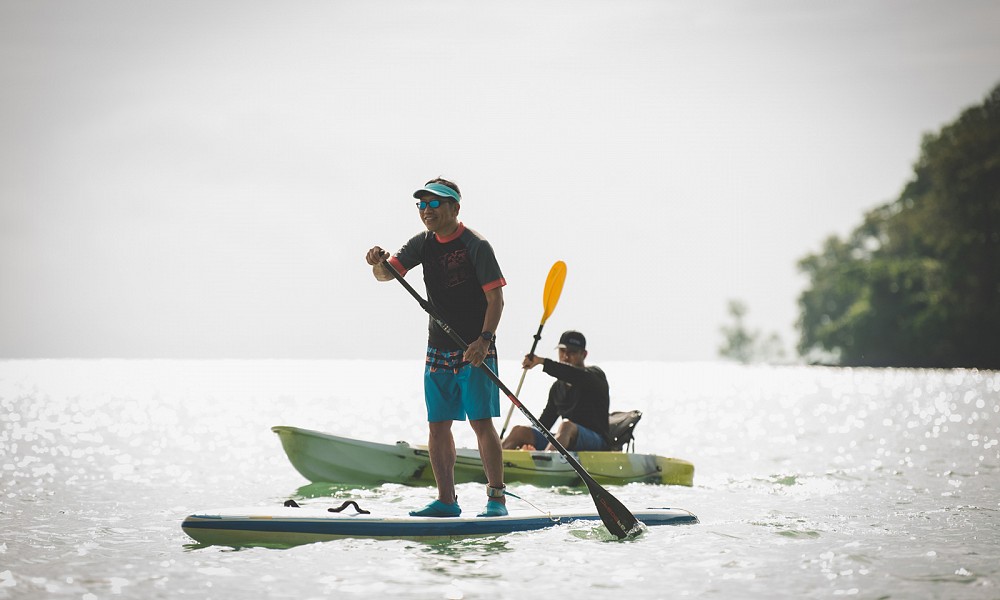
476	352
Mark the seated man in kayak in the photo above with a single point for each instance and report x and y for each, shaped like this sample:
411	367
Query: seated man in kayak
580	396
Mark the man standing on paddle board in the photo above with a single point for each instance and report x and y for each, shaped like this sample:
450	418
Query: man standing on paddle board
464	284
580	397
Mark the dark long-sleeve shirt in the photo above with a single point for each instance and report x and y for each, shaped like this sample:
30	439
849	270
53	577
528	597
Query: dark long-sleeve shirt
581	396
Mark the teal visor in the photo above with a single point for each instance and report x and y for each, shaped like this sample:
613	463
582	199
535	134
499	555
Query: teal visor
438	189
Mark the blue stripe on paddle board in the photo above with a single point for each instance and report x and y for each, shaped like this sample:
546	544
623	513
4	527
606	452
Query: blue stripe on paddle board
388	528
407	528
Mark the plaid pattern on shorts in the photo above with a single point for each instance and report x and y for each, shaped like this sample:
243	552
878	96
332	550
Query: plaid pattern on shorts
449	360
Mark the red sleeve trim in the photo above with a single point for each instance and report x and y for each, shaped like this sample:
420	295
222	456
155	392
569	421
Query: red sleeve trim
398	265
495	284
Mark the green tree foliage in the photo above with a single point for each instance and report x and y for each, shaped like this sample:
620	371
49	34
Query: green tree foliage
739	342
747	346
917	284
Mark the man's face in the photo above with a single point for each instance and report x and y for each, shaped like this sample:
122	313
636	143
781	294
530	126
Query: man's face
572	356
442	218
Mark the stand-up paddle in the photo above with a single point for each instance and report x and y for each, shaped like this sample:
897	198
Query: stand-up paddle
550	297
615	516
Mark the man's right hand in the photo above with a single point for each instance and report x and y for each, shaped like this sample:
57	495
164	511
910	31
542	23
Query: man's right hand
376	256
531	361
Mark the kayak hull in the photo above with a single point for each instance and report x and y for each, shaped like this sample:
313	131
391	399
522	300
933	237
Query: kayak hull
283	527
322	457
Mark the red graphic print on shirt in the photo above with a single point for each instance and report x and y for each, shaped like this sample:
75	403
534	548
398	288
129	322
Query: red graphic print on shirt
456	267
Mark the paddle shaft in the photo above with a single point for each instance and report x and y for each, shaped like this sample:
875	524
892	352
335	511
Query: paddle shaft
510	411
616	517
550	297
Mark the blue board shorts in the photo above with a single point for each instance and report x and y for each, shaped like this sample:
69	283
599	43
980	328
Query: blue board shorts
586	440
455	390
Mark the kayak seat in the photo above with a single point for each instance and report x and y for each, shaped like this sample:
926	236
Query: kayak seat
621	429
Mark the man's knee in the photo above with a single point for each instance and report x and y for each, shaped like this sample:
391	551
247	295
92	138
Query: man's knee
568	427
519	435
481	426
440	429
568	431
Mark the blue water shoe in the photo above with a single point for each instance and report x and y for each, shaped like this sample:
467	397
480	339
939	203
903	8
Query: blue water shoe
438	509
494	509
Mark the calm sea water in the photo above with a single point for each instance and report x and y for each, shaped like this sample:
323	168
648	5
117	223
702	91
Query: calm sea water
809	483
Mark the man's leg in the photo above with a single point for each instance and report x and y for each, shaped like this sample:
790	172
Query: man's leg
566	435
519	436
491	453
481	399
441	449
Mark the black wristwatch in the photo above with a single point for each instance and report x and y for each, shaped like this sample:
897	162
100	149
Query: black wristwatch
487	335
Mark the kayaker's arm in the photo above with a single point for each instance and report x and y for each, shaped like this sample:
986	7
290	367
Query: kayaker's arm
563	372
531	361
569	373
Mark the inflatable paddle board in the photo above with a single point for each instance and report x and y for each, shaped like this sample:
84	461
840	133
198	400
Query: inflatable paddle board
283	527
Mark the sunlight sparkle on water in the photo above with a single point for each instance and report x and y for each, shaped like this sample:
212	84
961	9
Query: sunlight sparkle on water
872	482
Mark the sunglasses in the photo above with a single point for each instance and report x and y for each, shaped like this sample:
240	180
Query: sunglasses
432	204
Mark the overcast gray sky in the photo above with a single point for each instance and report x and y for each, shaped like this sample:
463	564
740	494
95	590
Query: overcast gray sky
202	179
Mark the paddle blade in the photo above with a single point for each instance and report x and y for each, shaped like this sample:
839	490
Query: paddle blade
553	288
616	517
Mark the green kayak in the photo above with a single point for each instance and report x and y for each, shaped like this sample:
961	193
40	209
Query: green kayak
321	457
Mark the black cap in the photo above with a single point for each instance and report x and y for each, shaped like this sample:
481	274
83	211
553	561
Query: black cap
572	339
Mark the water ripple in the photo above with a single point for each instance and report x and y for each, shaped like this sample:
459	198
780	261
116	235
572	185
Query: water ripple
811	481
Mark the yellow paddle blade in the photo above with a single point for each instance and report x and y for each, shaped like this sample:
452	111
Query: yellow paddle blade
553	288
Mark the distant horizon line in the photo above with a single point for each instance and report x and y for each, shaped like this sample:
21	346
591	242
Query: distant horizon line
418	359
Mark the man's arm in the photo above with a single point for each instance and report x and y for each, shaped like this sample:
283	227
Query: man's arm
376	257
569	373
494	309
479	348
